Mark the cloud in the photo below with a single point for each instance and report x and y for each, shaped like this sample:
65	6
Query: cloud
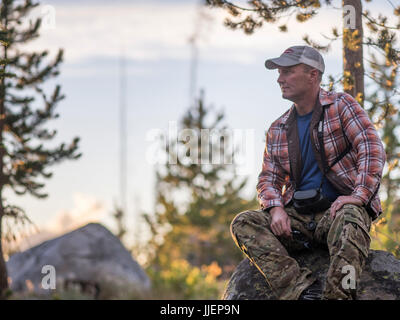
85	209
149	31
153	31
143	31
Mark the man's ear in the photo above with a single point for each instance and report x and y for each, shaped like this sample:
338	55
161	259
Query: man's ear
314	75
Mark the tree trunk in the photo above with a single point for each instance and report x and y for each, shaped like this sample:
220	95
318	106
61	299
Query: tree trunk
3	269
353	65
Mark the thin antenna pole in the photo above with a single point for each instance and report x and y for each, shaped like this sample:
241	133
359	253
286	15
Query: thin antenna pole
193	68
123	133
202	20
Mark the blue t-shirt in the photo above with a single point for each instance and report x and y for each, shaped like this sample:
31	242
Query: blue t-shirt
311	175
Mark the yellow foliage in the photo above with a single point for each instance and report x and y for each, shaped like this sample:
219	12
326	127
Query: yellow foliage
359	97
393	164
213	269
387	48
192	276
348	81
316	4
207	212
181	280
351	40
383	236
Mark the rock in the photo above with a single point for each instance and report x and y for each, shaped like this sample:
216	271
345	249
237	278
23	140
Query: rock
90	257
380	279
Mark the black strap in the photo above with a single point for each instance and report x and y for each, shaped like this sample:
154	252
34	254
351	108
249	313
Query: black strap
322	149
344	152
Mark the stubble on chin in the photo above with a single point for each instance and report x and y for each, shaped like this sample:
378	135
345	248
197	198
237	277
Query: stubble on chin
286	97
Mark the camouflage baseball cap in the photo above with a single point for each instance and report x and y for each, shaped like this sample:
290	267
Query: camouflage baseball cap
295	55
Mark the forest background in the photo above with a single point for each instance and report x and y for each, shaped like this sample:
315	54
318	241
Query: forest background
176	71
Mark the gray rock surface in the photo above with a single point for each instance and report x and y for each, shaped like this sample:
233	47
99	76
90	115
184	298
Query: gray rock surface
91	257
380	279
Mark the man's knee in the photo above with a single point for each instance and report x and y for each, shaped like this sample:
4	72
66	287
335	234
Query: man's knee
246	223
350	228
352	214
240	220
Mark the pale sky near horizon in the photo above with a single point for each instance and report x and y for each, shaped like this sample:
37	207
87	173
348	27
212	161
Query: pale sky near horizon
154	38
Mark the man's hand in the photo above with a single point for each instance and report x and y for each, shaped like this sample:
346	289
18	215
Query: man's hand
280	223
341	201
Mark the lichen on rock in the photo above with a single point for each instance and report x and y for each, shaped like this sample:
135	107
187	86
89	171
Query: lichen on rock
380	279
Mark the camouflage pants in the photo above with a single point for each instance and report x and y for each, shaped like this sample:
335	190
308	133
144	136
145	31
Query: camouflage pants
346	236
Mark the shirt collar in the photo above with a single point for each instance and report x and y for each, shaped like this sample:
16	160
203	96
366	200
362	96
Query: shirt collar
325	98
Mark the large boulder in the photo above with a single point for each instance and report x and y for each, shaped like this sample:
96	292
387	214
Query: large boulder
90	257
380	279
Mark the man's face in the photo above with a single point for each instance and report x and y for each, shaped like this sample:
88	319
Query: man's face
294	82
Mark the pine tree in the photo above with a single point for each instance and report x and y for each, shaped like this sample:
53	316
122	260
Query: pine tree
118	214
24	110
383	105
258	13
197	229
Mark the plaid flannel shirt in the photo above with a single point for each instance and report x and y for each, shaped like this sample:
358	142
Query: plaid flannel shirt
357	174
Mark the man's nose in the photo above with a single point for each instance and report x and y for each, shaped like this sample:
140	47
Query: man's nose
280	79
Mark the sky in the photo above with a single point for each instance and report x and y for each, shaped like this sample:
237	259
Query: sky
153	37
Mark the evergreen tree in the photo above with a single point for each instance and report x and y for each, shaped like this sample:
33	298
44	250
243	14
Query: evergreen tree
197	230
24	110
118	214
258	13
383	104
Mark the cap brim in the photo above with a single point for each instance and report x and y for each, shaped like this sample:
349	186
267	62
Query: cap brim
280	62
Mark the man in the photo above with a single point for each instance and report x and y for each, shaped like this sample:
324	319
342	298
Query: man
327	145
